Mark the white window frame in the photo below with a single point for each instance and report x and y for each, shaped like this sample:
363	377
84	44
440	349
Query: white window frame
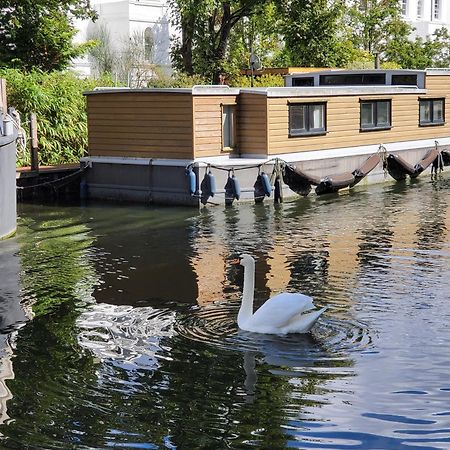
419	9
228	126
437	9
405	7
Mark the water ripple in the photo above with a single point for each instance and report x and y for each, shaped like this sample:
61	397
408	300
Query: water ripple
129	337
216	324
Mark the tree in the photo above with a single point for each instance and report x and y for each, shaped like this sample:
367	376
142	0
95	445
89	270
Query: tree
419	53
313	34
258	34
205	27
129	63
38	34
101	53
378	28
375	23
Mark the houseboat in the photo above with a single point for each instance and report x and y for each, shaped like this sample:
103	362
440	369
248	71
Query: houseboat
8	137
329	129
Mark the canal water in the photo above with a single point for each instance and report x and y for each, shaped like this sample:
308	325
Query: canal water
118	325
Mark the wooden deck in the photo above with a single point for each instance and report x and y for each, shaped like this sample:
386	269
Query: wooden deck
26	172
49	183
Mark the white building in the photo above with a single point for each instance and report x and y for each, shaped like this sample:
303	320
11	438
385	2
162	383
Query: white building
426	16
124	19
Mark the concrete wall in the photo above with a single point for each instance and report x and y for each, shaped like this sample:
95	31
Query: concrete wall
7	185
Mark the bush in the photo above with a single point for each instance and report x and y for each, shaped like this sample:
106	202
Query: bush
177	80
58	102
267	80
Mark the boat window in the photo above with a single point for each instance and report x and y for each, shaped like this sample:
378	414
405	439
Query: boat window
375	115
307	119
228	127
431	111
404	80
353	79
304	81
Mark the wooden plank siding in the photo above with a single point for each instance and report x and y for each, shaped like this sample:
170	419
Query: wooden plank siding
185	125
438	85
252	124
343	124
207	123
140	124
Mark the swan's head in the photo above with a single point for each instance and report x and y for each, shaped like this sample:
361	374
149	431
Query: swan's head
245	260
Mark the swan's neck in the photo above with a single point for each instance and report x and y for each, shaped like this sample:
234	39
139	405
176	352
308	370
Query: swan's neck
246	310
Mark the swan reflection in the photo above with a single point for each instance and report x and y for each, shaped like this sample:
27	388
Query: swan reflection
299	357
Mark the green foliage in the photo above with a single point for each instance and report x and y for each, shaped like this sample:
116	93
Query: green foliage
258	34
177	80
420	54
205	27
308	33
313	34
259	81
375	23
58	101
38	34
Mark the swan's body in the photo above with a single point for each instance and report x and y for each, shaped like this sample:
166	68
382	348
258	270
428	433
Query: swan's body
282	314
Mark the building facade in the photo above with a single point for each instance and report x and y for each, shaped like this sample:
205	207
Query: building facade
426	16
126	20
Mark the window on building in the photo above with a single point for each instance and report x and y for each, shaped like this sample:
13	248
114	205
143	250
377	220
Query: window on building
404	80
352	79
431	111
419	9
228	127
405	7
148	44
303	81
437	9
307	118
375	114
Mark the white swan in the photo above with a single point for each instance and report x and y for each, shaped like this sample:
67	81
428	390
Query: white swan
281	314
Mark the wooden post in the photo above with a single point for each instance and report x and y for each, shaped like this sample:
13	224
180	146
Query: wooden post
34	143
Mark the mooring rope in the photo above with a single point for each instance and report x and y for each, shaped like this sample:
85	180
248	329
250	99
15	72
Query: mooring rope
227	169
438	163
53	182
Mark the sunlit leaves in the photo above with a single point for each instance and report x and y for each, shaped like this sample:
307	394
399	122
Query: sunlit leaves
38	34
58	101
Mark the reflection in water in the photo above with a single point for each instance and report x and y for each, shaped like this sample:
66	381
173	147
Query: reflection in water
128	337
13	315
134	341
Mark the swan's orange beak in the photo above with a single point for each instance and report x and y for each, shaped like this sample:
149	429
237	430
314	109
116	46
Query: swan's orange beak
235	261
